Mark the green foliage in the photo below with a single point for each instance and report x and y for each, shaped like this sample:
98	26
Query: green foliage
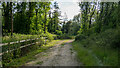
66	27
80	37
65	36
8	58
29	18
28	56
103	45
93	20
49	36
40	62
6	20
84	56
18	55
97	56
58	32
108	38
54	21
70	27
35	26
17	37
100	37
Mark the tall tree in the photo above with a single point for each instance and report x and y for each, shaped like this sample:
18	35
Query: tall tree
6	18
11	18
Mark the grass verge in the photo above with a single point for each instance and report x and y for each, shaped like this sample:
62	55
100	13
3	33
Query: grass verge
93	55
99	49
30	56
84	55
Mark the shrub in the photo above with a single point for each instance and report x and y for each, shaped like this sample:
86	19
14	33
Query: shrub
103	45
65	36
55	37
58	32
80	37
49	36
114	40
17	37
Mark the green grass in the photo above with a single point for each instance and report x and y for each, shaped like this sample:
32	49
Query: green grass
30	56
27	58
98	49
108	56
65	36
40	62
101	49
83	55
63	44
87	55
18	37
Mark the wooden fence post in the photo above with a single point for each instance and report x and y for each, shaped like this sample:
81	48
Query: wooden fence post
26	41
8	46
35	41
19	42
30	40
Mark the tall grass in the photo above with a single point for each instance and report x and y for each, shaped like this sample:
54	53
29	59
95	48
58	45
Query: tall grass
100	49
83	55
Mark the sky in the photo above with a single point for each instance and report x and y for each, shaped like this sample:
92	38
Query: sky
70	8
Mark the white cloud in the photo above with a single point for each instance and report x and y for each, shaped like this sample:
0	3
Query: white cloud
70	8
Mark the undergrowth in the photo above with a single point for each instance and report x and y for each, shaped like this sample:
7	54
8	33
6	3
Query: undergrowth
31	55
99	49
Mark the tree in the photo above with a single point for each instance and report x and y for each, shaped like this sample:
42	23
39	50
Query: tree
6	19
11	18
56	14
97	16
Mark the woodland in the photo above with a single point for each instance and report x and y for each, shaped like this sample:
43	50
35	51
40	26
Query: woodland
95	30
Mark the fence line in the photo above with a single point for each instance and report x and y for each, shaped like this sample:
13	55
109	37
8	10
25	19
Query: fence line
15	42
20	46
3	44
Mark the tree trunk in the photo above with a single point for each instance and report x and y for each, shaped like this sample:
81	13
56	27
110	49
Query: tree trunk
11	18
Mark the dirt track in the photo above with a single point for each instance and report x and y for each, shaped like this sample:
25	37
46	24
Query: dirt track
59	55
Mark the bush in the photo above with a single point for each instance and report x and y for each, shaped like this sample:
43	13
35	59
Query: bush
58	32
80	37
55	37
103	45
113	37
49	36
17	37
65	36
